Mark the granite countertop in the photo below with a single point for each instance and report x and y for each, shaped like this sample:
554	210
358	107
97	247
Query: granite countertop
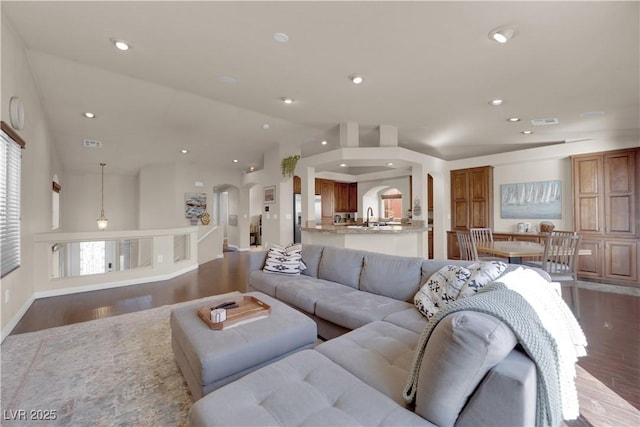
360	229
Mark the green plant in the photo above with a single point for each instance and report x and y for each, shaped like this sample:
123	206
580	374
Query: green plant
288	165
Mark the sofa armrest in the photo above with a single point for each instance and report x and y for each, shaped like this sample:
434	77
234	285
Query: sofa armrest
510	386
255	262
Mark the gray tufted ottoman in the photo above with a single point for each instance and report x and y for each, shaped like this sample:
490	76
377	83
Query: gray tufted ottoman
210	359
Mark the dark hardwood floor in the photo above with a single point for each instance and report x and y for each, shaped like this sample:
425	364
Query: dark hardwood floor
611	323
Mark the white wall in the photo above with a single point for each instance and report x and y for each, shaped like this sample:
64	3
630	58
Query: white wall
81	205
39	163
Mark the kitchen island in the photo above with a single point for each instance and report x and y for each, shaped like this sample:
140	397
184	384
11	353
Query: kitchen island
404	240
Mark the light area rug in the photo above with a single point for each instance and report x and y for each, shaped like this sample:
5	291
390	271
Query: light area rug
117	371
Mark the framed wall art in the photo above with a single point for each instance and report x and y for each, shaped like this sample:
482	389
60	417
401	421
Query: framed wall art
270	194
195	204
531	200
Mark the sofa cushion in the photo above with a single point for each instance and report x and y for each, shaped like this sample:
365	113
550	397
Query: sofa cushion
357	308
304	292
431	266
463	347
380	354
392	276
410	319
311	255
341	265
265	282
303	389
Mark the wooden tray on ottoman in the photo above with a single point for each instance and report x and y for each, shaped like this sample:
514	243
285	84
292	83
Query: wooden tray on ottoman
248	308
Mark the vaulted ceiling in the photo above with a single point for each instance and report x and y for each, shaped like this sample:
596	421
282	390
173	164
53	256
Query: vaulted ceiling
209	76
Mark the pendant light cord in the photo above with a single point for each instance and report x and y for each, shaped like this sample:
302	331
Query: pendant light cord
102	192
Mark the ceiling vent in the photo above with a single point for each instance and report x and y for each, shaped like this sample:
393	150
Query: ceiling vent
91	143
544	122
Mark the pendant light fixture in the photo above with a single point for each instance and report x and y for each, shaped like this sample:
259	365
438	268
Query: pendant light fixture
102	221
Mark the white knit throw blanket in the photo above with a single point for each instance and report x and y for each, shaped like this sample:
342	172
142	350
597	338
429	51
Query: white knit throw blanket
560	322
530	330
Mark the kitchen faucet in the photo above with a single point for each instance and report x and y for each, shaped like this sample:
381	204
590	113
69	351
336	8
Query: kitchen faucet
369	210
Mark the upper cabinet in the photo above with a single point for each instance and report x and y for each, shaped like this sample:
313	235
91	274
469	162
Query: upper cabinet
345	196
472	198
605	213
297	185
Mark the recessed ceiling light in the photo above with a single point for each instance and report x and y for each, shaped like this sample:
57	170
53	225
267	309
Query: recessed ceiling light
120	44
343	165
266	126
324	142
526	132
89	115
281	37
356	78
287	100
390	164
183	151
252	168
496	102
235	160
513	119
502	35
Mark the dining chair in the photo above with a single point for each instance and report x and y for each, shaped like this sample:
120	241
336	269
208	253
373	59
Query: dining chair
563	233
560	261
467	248
480	236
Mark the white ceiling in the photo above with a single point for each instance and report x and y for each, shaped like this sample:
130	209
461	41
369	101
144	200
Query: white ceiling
430	70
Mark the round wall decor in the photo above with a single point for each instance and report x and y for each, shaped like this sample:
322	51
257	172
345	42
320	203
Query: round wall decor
16	113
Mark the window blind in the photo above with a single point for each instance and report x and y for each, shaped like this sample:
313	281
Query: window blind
10	165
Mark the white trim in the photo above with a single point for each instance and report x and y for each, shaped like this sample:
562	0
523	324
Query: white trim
117	284
205	235
13	322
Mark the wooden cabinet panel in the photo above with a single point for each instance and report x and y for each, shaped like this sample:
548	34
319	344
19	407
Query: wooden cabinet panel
591	265
326	193
297	185
621	259
353	197
471	198
318	182
460	215
620	197
587	218
606	206
587	184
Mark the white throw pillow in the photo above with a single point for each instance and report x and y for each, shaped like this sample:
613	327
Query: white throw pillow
482	273
284	260
441	288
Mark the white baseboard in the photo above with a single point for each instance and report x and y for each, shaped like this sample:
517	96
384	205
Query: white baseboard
16	318
116	284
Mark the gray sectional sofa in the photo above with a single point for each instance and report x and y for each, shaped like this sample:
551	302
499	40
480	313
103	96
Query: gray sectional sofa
473	373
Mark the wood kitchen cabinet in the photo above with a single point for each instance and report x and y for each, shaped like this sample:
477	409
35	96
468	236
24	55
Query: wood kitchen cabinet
345	196
297	185
472	198
327	200
606	205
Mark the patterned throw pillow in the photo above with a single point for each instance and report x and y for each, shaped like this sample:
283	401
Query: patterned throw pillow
454	282
482	273
440	289
284	260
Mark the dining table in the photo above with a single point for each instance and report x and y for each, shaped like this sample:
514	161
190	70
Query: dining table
515	250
